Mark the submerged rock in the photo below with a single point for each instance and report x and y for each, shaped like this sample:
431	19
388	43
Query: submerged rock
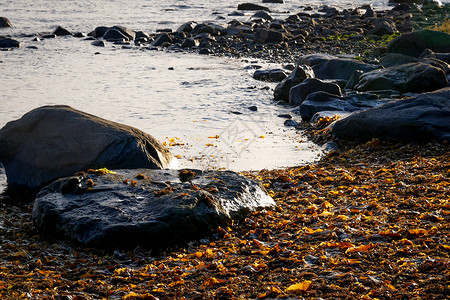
152	208
51	142
425	117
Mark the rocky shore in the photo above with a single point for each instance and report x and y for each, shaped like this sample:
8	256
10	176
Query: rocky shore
369	219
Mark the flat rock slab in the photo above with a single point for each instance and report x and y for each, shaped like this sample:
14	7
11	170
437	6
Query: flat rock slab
425	117
152	208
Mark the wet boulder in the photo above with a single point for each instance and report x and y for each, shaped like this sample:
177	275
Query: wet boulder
321	101
161	39
326	66
396	59
298	75
4	22
415	43
51	142
413	77
113	33
60	31
151	208
6	42
299	92
425	117
274	75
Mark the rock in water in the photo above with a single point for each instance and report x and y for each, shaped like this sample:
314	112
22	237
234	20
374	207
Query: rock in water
4	22
152	208
51	142
425	117
8	43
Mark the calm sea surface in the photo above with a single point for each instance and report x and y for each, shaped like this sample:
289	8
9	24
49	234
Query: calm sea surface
180	98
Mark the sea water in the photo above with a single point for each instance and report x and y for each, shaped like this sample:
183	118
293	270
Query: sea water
197	105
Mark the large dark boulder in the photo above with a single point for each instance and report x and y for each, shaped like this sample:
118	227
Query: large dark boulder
414	43
299	92
413	77
8	43
4	22
297	76
422	118
51	142
151	208
326	66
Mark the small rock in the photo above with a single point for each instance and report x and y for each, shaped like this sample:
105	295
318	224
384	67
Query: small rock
290	123
274	75
253	108
8	43
251	6
4	22
59	31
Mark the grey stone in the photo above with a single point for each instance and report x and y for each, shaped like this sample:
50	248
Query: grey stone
297	76
262	15
422	118
188	43
383	27
157	210
274	75
413	77
299	92
4	22
414	43
114	34
321	101
396	59
59	31
330	67
51	142
8	43
118	31
99	43
269	36
161	39
187	27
